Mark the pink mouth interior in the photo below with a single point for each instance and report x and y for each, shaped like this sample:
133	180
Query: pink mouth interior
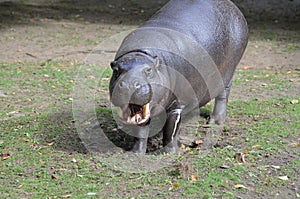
135	114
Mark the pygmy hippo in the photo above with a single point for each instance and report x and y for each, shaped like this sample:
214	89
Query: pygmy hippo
179	60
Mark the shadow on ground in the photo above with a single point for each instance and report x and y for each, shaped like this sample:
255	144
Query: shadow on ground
93	11
133	12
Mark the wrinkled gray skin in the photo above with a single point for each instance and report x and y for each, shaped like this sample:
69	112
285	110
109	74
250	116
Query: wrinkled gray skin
180	59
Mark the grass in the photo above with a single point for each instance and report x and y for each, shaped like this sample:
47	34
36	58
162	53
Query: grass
42	156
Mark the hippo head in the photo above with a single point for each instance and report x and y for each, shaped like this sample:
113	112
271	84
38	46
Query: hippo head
135	86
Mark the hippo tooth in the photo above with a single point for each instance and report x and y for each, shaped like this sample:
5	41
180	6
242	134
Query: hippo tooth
146	110
138	118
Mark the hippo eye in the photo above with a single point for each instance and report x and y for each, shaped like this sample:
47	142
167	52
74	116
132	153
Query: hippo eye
148	72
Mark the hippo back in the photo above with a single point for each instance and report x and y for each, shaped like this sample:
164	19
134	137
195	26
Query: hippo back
213	29
217	25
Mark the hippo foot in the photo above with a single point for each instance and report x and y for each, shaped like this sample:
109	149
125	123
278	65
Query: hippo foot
170	148
218	119
138	151
140	146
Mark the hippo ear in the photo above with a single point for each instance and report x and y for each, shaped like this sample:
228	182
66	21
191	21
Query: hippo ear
114	65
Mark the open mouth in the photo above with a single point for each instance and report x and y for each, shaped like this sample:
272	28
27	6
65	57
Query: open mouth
135	114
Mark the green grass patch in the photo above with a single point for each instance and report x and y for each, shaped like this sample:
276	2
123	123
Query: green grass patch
43	157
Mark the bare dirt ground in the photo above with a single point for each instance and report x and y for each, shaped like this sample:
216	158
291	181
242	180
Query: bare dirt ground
64	30
38	31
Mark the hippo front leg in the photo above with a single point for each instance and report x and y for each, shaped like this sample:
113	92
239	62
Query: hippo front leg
219	114
171	131
141	137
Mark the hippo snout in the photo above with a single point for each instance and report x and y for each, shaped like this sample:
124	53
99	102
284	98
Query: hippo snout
142	94
132	99
135	92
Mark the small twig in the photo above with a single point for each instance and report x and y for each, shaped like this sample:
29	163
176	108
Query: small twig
31	55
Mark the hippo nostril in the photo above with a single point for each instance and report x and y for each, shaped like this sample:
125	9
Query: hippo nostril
122	84
137	85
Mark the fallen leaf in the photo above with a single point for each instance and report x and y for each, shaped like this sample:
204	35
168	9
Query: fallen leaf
247	67
198	141
50	144
20	186
294	101
240	186
277	104
26	140
225	166
284	178
240	157
53	176
38	175
255	118
5	156
194	178
13	112
176	185
67	196
275	167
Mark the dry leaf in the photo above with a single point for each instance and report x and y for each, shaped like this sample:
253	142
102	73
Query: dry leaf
284	178
5	156
13	112
240	186
240	157
277	104
67	196
247	67
198	141
176	185
225	166
53	176
26	140
38	175
294	101
50	144
275	167
194	178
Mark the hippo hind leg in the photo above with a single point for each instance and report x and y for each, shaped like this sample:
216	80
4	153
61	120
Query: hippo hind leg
219	114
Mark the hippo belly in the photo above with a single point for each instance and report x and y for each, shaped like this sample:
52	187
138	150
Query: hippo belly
183	57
